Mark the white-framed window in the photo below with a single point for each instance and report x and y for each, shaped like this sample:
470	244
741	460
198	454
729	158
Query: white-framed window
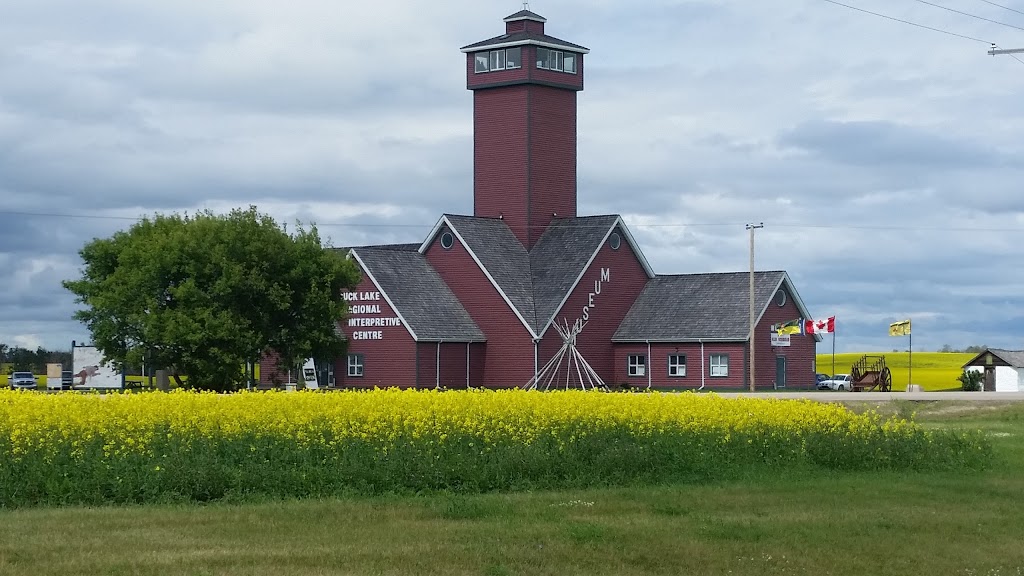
677	365
355	365
492	60
636	365
719	365
548	59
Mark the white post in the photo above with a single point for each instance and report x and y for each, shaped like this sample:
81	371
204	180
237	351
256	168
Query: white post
753	362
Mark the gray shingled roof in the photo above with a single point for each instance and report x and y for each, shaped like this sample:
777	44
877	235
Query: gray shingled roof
420	295
559	256
1014	358
697	306
537	281
526	38
503	256
524	14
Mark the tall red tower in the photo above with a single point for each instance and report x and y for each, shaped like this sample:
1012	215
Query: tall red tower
524	85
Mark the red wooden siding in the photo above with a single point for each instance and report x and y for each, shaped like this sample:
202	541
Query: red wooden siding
476	79
509	359
500	155
524	163
552	170
626	279
271	375
571	82
799	355
527	73
446	364
388	362
657	365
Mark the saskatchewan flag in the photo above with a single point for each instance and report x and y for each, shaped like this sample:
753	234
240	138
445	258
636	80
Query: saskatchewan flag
791	327
901	328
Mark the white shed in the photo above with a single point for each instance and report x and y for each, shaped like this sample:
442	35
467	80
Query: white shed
1003	369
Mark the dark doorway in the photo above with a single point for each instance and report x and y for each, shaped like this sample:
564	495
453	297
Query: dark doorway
990	379
325	373
780	371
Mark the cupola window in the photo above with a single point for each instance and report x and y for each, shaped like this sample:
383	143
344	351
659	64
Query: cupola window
494	60
556	60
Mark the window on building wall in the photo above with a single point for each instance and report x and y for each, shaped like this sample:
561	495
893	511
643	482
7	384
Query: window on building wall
355	365
636	365
513	58
548	59
719	365
494	60
676	365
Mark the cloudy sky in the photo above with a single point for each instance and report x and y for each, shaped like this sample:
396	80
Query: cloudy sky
885	160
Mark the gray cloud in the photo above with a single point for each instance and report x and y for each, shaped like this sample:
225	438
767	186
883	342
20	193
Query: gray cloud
880	144
697	117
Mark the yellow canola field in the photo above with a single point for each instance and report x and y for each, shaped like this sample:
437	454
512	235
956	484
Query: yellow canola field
932	370
130	421
152	446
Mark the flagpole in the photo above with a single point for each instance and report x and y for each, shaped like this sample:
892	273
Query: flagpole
910	367
833	351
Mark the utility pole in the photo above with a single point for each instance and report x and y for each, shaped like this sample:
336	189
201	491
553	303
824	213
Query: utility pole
751	228
996	51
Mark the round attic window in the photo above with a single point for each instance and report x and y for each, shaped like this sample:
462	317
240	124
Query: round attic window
447	240
780	298
615	241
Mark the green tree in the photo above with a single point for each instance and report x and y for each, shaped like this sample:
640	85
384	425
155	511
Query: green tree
205	294
970	380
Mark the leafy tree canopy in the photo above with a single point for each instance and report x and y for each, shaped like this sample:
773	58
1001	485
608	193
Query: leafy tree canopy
206	294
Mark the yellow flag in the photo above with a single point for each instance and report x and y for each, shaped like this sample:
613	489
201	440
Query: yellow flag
901	328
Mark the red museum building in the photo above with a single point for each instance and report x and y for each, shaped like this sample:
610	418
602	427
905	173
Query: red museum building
475	303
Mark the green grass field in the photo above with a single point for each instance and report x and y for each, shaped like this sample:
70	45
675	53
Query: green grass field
932	370
795	522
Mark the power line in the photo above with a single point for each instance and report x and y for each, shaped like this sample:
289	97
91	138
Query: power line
1011	55
781	224
969	14
932	28
1003	7
908	22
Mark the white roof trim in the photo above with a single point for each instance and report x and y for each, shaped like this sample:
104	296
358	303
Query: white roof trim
433	233
629	240
552	45
675	340
383	293
535	18
804	313
636	248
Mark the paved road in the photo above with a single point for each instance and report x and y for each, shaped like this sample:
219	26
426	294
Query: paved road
829	396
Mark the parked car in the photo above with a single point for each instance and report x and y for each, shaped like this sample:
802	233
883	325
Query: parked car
23	381
822	378
840	382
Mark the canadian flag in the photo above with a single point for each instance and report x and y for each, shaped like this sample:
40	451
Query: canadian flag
820	326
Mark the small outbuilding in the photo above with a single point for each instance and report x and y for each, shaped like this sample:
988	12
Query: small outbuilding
1003	369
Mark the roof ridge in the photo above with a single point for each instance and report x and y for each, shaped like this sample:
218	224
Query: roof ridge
694	274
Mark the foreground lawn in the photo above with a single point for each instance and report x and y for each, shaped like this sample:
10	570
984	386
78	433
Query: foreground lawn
795	522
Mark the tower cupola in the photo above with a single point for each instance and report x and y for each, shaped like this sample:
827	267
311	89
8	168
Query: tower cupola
524	85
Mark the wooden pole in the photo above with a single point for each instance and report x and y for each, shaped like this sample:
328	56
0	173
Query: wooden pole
753	357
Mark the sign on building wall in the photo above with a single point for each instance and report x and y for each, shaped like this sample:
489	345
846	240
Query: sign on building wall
606	277
364	311
309	375
780	339
89	372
